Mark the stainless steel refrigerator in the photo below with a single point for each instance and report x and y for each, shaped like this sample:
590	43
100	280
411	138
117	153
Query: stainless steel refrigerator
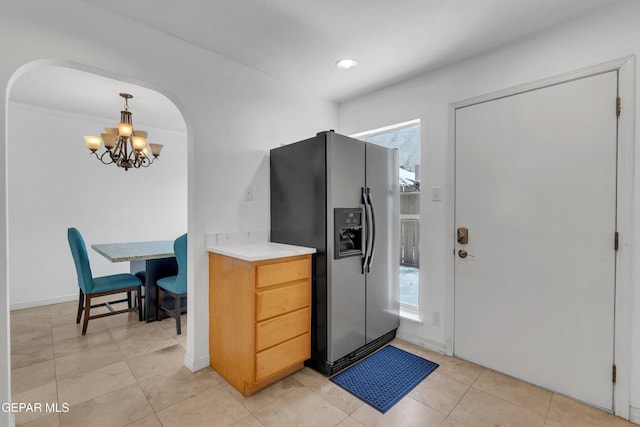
341	196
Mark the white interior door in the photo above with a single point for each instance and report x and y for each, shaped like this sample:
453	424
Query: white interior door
536	188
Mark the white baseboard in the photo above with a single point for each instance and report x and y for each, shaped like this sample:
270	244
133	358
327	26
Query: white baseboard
634	415
196	364
438	347
41	302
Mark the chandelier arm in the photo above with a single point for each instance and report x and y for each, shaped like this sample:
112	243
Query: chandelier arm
100	157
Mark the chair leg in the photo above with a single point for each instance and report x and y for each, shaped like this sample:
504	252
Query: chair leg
80	307
159	297
129	300
139	300
177	309
87	309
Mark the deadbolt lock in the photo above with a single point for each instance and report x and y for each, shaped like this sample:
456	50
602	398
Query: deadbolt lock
462	253
463	235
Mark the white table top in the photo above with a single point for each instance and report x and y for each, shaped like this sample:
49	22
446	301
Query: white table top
259	251
134	251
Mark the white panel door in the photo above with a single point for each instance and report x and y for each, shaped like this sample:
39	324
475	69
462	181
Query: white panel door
536	188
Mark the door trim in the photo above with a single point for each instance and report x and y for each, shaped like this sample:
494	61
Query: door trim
624	212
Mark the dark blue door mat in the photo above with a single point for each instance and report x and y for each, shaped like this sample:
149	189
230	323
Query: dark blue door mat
383	378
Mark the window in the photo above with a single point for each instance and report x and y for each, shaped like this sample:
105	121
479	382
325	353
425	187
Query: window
406	138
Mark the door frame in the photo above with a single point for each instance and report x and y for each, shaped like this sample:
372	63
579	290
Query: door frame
624	212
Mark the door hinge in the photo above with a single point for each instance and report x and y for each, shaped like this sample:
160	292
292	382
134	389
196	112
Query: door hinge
616	240
613	374
618	106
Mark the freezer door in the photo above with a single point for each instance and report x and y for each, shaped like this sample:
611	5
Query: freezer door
383	289
345	282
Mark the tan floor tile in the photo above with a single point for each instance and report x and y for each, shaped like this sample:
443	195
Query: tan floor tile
148	421
38	325
93	367
248	421
268	395
553	423
479	409
160	361
458	369
123	320
64	308
33	311
350	422
67	319
50	420
146	338
213	407
417	350
28	340
42	395
515	391
32	376
450	422
406	413
172	387
70	329
300	407
30	320
81	344
567	412
439	392
39	351
83	387
87	361
169	323
334	394
117	408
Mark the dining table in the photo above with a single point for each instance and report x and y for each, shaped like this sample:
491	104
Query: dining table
150	261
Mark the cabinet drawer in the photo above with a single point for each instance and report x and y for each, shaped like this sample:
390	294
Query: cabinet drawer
282	356
274	302
281	328
282	272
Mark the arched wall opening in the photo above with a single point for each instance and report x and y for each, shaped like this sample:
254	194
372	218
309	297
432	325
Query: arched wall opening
53	183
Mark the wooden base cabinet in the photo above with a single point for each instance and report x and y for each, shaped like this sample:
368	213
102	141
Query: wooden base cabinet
259	319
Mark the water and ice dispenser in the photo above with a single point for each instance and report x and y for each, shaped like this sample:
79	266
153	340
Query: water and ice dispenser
349	234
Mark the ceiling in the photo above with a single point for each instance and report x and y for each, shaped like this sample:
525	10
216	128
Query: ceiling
80	92
299	41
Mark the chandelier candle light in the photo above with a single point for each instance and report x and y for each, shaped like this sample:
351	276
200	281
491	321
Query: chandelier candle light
124	146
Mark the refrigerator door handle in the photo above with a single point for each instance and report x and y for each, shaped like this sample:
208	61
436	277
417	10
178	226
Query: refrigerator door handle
367	242
373	228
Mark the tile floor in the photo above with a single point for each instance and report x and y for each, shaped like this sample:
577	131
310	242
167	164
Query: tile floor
126	373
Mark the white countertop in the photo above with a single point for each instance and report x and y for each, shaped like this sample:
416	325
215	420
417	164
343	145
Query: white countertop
253	250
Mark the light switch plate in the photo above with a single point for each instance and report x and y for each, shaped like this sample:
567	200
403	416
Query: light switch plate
436	193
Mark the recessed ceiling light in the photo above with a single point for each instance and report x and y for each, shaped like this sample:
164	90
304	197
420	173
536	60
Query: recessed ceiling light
346	64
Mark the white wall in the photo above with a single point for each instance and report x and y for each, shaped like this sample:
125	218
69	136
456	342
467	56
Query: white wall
54	184
234	115
596	38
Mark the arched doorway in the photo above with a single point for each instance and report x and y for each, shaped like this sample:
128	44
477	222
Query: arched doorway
53	183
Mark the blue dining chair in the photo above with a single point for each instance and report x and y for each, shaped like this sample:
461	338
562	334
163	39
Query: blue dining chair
92	287
175	286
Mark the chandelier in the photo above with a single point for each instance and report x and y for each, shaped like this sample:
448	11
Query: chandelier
124	147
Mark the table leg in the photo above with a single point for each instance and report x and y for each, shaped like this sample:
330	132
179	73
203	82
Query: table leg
153	269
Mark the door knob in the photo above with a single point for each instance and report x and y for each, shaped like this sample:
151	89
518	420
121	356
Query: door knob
462	253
